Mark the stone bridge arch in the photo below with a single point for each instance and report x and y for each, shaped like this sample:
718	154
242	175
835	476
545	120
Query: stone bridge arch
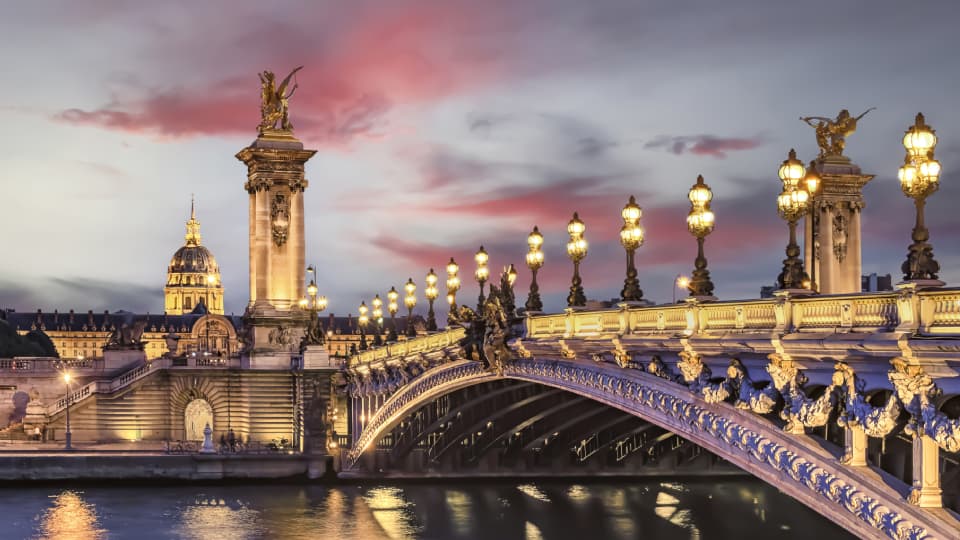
857	498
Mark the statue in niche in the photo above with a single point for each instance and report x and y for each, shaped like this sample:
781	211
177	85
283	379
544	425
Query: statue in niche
832	133
840	237
274	102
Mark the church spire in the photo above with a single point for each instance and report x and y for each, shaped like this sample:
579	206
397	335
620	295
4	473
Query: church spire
193	226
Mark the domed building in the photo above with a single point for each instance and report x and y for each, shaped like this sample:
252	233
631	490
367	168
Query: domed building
193	277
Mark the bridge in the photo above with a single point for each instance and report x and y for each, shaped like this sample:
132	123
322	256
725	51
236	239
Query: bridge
845	402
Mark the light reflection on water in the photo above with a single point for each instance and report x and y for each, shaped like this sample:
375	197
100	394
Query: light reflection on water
69	517
501	510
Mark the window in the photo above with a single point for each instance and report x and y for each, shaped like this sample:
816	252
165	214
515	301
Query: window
187	303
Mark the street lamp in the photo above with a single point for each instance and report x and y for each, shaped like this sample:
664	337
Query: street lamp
410	300
392	306
679	282
534	263
377	313
631	237
481	274
792	205
700	222
431	292
362	320
919	178
453	285
66	379
576	250
812	182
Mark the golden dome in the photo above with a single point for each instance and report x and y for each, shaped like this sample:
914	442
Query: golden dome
193	276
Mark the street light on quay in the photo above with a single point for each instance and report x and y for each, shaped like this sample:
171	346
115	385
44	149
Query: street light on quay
453	285
700	223
919	178
363	320
576	250
431	292
792	204
631	237
534	263
410	300
679	282
482	273
392	306
66	380
377	313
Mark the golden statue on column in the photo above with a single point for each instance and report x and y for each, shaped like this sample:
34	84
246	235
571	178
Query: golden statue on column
274	102
835	129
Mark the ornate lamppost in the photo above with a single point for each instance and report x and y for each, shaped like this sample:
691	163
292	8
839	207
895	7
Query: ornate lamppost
631	237
534	263
410	300
792	205
392	306
576	250
69	435
431	292
313	334
377	313
482	274
363	320
919	178
812	182
700	223
453	285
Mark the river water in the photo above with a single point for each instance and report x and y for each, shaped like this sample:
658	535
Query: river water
721	508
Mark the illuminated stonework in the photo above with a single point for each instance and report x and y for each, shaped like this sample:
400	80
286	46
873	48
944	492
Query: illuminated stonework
193	276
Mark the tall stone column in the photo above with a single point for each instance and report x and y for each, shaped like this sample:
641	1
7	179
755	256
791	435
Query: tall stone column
275	182
833	258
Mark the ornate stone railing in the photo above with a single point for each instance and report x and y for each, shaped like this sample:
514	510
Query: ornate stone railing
109	386
429	342
927	312
12	366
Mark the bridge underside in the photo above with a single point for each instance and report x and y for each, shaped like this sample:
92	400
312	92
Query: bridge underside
507	427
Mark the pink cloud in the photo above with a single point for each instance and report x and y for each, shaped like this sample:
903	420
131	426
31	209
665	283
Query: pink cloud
353	76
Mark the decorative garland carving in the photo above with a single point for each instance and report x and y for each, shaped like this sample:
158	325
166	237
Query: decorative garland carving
658	368
917	391
856	412
799	411
748	396
695	373
620	354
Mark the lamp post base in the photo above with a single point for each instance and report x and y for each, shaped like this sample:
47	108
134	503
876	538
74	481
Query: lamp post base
923	283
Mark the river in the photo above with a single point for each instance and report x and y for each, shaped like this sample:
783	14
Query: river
502	510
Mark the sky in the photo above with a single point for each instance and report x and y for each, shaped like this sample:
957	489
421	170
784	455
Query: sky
445	125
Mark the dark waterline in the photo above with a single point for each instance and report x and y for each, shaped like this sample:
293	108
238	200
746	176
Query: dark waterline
734	508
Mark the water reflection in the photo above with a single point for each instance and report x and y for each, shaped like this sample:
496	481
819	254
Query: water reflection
70	518
502	511
211	518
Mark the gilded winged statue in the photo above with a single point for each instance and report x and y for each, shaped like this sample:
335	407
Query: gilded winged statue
835	129
274	101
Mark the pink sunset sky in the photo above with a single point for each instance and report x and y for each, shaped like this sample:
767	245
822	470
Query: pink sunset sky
443	125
